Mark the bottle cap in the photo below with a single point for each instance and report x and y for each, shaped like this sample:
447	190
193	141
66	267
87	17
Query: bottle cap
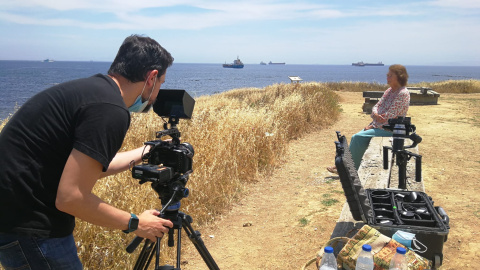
328	249
367	247
401	250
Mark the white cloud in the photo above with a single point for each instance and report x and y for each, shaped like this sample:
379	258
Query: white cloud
28	20
130	14
464	4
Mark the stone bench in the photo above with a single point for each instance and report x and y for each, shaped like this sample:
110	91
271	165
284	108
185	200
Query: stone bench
418	96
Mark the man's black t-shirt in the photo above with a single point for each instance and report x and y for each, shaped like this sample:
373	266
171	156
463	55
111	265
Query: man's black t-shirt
87	114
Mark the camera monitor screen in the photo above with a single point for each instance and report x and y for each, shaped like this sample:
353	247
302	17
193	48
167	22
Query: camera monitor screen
174	102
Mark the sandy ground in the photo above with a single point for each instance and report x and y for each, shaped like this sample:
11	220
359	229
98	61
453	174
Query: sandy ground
284	219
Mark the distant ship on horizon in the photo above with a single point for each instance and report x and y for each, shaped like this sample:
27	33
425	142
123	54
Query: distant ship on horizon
48	60
237	63
362	64
272	63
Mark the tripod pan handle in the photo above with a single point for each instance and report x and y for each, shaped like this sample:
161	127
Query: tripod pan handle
134	244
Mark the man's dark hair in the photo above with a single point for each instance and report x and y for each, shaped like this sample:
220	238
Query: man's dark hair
137	56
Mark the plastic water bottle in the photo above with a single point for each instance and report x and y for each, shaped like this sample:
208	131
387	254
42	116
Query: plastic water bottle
328	260
365	259
399	261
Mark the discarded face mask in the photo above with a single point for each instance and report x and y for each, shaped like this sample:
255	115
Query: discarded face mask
408	239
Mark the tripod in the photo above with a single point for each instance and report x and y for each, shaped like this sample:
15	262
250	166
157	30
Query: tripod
180	220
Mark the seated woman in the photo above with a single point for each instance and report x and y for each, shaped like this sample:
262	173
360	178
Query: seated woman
394	103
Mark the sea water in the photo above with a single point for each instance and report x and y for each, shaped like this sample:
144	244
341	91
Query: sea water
20	80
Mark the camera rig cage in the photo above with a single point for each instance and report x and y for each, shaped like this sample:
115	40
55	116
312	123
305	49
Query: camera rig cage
402	129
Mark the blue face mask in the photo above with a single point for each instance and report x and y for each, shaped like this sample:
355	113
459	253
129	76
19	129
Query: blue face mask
408	239
138	106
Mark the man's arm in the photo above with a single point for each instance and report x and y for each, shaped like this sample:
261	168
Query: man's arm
75	197
123	160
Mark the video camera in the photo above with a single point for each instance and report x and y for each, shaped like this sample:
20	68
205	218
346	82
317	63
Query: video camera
402	128
168	163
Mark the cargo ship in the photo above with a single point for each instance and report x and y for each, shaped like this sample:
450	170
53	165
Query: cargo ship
272	63
237	63
362	64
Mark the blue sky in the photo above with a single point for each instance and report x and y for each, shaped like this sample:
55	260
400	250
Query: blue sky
437	32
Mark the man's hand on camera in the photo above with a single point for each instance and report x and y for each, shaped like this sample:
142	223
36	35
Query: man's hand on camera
151	226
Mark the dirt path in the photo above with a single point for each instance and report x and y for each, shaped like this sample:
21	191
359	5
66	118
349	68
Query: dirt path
284	219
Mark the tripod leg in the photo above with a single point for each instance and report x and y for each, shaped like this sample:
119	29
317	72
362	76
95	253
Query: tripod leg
157	254
179	246
402	170
391	167
385	157
418	169
145	256
197	241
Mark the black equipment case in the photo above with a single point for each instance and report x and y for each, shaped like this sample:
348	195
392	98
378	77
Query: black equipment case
389	210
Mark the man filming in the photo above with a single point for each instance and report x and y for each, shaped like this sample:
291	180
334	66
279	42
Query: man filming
56	147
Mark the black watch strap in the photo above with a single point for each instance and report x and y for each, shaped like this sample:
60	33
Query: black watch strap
132	224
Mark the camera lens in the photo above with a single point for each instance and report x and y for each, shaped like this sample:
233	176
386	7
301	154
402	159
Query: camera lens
189	148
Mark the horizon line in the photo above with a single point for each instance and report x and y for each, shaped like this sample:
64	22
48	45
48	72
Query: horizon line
212	63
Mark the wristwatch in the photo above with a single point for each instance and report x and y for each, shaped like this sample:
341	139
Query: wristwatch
132	224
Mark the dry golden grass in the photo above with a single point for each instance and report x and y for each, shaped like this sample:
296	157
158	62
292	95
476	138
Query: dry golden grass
356	86
4	122
454	86
450	86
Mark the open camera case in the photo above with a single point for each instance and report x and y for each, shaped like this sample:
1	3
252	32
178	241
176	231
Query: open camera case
390	210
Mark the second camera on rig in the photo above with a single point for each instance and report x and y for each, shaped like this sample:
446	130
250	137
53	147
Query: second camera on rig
168	159
402	129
